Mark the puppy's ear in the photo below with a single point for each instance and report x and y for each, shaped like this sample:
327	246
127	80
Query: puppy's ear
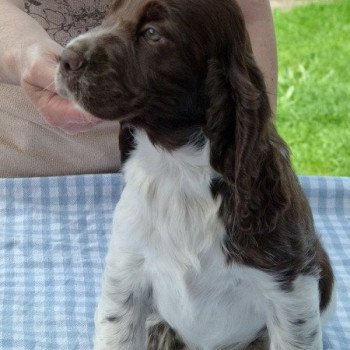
245	148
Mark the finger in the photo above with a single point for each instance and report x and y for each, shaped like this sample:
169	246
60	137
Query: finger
45	64
46	78
60	112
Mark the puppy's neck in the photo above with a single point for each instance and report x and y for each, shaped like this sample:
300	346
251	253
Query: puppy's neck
171	130
187	166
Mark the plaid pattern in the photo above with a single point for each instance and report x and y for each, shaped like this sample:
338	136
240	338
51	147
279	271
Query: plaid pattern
53	239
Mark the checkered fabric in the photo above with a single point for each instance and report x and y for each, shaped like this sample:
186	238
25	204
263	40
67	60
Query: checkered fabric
53	239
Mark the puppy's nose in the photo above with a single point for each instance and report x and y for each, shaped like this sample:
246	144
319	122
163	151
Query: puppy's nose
71	61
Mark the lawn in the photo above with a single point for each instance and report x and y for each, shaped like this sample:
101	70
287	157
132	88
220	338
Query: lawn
314	86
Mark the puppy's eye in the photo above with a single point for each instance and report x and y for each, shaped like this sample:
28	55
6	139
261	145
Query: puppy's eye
152	34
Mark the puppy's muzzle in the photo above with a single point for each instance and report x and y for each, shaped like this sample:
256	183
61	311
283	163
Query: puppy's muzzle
71	61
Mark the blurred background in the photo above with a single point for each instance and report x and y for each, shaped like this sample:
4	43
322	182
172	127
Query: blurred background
313	115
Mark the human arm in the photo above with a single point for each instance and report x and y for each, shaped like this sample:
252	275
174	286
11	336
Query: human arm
29	57
259	22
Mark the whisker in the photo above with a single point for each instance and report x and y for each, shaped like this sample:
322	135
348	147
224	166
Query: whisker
47	87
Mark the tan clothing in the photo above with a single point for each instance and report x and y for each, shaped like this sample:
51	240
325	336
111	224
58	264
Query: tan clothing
28	145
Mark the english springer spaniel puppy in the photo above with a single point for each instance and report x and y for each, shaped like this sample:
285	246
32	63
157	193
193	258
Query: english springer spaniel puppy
213	244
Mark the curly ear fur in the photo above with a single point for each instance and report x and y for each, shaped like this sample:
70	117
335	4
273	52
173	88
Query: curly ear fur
245	148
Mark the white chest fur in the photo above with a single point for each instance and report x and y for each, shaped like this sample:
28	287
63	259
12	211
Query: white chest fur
168	217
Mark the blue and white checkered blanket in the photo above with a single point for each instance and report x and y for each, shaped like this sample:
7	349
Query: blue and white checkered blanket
53	239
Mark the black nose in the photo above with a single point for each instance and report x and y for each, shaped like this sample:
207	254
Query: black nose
71	61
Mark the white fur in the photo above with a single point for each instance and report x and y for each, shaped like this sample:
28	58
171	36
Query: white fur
166	251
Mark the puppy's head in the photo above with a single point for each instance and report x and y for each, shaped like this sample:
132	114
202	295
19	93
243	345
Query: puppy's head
142	59
151	58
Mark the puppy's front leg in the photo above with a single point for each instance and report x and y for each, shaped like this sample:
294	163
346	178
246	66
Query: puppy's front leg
124	305
294	317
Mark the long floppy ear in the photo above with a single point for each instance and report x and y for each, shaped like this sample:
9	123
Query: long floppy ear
245	148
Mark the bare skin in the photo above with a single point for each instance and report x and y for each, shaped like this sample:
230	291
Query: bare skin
259	22
31	60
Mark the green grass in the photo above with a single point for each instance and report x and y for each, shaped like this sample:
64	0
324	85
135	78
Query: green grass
314	86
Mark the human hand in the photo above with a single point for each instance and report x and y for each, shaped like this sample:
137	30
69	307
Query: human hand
38	66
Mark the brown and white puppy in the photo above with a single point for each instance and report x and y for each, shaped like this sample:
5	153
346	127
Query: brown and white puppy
213	234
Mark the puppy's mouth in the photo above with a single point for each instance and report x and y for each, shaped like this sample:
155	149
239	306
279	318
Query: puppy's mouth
61	86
